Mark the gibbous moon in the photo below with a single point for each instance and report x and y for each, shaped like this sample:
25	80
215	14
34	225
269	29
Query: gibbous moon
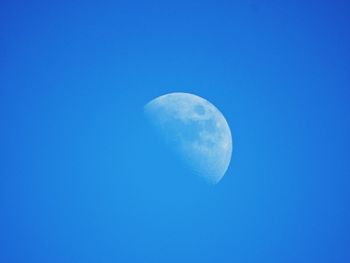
196	130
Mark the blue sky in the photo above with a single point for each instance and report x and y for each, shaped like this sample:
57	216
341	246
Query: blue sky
84	179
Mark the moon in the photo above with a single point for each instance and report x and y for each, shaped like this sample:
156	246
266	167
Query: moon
196	130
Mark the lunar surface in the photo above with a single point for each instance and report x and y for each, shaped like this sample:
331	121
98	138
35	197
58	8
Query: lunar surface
196	130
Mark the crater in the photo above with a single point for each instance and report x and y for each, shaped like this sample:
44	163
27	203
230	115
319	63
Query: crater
199	109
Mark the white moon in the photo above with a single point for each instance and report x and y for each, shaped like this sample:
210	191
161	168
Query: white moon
196	129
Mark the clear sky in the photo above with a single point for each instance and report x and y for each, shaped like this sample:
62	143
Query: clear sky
83	178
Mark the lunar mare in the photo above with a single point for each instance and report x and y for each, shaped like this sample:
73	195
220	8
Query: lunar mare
196	130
